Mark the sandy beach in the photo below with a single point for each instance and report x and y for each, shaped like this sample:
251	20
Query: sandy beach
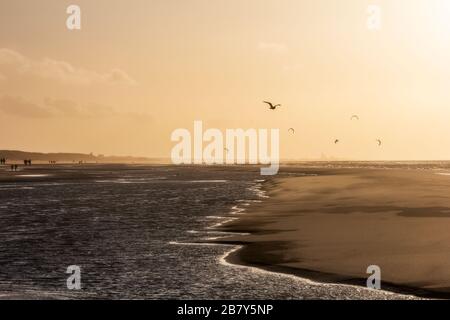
331	224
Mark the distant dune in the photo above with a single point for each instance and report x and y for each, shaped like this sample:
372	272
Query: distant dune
16	155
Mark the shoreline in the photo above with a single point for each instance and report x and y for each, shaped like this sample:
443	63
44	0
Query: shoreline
268	246
233	257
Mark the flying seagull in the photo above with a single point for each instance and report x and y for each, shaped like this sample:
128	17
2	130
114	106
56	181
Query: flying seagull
336	141
291	130
354	117
379	142
271	105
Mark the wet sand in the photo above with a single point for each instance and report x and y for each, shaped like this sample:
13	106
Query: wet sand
332	225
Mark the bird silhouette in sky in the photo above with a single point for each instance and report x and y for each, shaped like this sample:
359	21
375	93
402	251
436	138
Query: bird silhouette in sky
272	106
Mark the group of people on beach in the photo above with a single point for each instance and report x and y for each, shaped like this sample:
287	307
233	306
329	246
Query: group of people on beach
15	167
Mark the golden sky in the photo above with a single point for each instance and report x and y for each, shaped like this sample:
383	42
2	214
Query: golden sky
137	70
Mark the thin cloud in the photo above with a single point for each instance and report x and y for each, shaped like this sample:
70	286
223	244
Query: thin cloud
57	108
117	76
61	71
63	107
17	106
11	57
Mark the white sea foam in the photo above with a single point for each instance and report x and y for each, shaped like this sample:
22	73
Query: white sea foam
198	244
221	223
357	290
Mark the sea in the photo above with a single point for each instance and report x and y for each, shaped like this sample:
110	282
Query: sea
137	232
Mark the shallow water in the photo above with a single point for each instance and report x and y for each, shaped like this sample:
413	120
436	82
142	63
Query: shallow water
135	233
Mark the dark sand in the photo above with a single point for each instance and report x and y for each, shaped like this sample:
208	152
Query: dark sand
332	226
